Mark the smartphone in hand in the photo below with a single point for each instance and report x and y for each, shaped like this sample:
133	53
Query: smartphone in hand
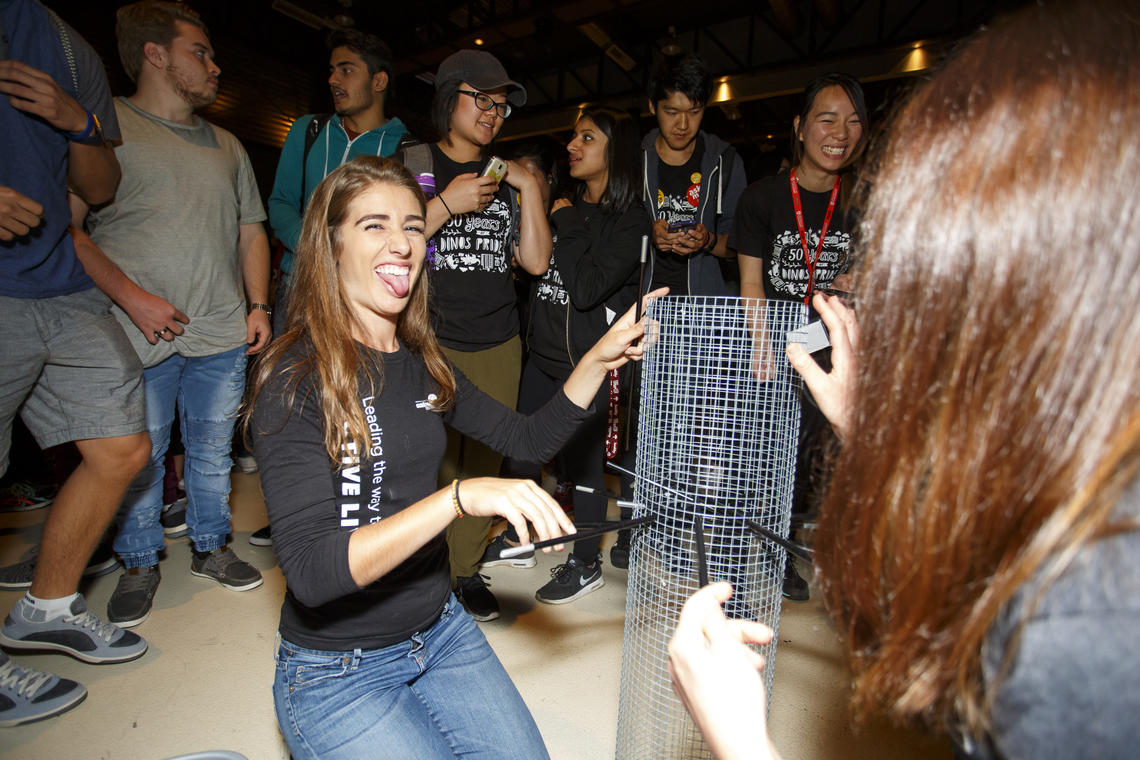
496	168
682	226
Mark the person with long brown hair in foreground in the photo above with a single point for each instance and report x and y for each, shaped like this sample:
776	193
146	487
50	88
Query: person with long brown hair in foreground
374	653
979	543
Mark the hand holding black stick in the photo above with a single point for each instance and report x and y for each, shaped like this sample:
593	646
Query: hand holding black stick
513	551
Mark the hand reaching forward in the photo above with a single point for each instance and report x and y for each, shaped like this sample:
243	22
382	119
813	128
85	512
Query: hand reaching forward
833	391
717	675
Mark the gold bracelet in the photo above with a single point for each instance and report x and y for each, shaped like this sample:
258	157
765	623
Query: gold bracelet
455	499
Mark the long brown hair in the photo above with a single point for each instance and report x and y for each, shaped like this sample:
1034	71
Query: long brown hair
996	412
320	317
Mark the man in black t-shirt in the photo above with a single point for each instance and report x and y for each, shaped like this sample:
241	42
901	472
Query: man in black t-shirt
692	183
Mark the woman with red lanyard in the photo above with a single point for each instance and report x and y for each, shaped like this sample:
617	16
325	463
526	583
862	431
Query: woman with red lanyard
794	238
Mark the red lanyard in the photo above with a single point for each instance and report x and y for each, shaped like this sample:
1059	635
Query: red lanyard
808	259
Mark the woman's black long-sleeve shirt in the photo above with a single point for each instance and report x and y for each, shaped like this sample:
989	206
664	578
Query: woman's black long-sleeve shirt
314	507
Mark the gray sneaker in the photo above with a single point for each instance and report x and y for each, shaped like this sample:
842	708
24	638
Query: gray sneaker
28	695
80	634
226	568
20	574
132	598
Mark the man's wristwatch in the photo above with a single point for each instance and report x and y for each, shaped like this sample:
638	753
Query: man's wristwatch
92	134
264	307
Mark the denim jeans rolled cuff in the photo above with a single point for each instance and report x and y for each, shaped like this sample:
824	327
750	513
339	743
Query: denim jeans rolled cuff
441	693
206	392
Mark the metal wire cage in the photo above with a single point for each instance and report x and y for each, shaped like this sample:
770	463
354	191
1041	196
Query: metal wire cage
717	434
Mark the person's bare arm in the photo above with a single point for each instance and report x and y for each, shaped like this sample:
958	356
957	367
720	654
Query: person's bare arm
92	170
535	241
253	250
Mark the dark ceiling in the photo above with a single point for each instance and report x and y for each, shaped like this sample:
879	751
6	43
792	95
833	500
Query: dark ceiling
566	52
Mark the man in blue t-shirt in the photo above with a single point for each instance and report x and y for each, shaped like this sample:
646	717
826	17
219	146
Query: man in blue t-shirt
68	368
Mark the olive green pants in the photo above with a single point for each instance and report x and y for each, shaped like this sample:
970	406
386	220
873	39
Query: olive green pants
495	371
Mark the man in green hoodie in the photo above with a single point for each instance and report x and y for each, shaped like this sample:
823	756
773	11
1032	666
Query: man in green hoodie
360	80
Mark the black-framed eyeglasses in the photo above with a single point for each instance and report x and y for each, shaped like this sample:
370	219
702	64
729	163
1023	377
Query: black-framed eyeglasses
485	102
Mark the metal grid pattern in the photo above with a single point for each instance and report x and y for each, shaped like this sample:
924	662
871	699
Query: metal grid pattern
717	434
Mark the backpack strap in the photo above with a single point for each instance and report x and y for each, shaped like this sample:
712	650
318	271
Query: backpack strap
416	156
317	123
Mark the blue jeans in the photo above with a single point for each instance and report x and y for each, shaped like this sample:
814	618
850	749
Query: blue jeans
206	391
441	694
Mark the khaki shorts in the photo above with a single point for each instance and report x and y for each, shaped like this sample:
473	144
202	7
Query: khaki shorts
68	369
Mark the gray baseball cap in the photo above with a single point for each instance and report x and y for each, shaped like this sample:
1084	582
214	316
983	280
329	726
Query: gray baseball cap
482	71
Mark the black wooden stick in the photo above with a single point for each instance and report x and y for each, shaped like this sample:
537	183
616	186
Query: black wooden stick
702	563
799	550
514	551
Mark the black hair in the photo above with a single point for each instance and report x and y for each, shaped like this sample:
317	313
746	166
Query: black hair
623	187
375	53
854	92
446	96
688	75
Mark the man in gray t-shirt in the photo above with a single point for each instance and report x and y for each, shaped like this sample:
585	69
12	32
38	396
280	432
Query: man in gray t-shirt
185	228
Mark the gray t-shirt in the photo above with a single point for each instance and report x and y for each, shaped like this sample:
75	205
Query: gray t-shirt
173	227
1071	690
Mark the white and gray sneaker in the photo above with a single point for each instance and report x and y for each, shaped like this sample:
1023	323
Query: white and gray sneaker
28	695
79	634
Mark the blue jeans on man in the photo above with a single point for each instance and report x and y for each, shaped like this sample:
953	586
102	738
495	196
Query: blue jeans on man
207	392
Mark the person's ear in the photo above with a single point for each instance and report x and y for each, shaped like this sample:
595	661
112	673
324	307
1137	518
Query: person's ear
380	82
652	107
156	55
796	128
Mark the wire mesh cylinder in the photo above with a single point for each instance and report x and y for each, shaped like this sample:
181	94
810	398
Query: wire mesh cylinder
717	434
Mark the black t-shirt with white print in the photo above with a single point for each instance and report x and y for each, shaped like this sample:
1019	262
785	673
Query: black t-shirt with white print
474	304
678	201
765	227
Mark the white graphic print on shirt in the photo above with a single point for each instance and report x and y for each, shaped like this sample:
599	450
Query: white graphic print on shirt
550	286
787	272
475	242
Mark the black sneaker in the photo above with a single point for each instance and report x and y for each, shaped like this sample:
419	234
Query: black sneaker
570	581
619	552
476	598
225	567
493	556
20	574
795	587
261	537
131	600
173	519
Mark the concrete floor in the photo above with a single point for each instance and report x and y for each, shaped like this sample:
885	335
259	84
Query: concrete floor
205	681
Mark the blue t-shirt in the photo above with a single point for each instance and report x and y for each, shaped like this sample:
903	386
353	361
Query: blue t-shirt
42	264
